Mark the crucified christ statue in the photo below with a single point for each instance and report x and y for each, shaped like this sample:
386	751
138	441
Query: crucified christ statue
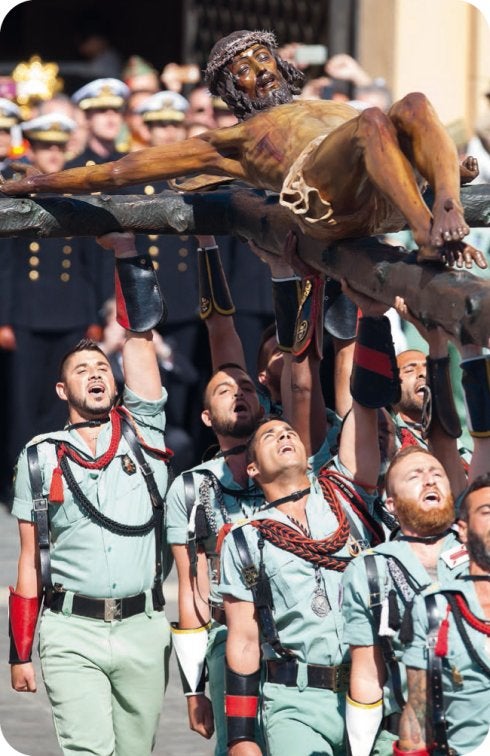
341	172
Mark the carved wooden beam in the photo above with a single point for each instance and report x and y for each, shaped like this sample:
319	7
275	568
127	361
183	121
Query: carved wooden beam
456	300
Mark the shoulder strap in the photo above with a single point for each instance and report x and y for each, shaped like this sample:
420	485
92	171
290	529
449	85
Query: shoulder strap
258	582
157	502
190	506
434	680
375	604
41	517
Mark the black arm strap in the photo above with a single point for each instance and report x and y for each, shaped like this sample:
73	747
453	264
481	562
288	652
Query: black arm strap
157	502
254	580
190	499
434	681
375	604
41	518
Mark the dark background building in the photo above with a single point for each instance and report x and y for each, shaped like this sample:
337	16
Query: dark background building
181	31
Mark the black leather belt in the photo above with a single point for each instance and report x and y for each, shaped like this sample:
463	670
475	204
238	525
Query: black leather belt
318	676
105	609
218	614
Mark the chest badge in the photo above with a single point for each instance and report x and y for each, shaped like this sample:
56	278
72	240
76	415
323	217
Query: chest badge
128	465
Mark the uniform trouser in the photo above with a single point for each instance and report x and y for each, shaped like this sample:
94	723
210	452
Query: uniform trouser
308	722
105	681
215	661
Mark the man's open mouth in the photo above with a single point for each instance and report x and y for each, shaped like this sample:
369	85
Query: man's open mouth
97	389
431	497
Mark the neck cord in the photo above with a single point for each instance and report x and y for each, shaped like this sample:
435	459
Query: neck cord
424	539
234	450
88	424
294	496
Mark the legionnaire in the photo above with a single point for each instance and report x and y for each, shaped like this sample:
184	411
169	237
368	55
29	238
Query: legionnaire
103	102
380	587
447	664
51	294
315	153
412	365
199	502
89	500
280	570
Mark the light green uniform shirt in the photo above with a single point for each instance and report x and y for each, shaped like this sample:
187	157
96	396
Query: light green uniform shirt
466	686
233	504
360	628
85	557
314	639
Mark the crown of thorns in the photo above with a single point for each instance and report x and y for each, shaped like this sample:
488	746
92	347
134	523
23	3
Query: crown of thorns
225	50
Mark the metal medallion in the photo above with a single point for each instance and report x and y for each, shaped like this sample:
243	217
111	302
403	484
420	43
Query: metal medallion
319	603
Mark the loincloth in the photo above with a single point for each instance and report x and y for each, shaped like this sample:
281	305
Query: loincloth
315	215
304	200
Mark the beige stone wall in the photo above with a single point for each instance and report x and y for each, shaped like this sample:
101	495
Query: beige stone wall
439	47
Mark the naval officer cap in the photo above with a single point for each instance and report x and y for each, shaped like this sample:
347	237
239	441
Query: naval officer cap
100	94
9	113
164	106
50	127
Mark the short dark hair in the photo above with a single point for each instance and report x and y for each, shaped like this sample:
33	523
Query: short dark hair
224	367
482	481
250	455
84	345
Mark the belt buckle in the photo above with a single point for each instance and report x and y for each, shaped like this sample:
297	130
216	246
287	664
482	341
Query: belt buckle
341	679
40	504
112	609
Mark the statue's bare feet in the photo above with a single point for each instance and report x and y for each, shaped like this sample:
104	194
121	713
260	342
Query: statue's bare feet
448	223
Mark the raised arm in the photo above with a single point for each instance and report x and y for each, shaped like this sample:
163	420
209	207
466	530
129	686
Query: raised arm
139	307
374	384
216	306
442	426
476	385
301	390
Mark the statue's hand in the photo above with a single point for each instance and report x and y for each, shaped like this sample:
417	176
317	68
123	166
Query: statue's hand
468	170
19	187
14	187
460	254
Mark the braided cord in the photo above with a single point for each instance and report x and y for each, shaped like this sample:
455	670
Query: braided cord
317	552
119	528
104	459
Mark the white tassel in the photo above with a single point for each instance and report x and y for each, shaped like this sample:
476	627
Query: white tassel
384	626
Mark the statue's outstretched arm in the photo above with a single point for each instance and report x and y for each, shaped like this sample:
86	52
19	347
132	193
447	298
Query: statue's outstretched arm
151	164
